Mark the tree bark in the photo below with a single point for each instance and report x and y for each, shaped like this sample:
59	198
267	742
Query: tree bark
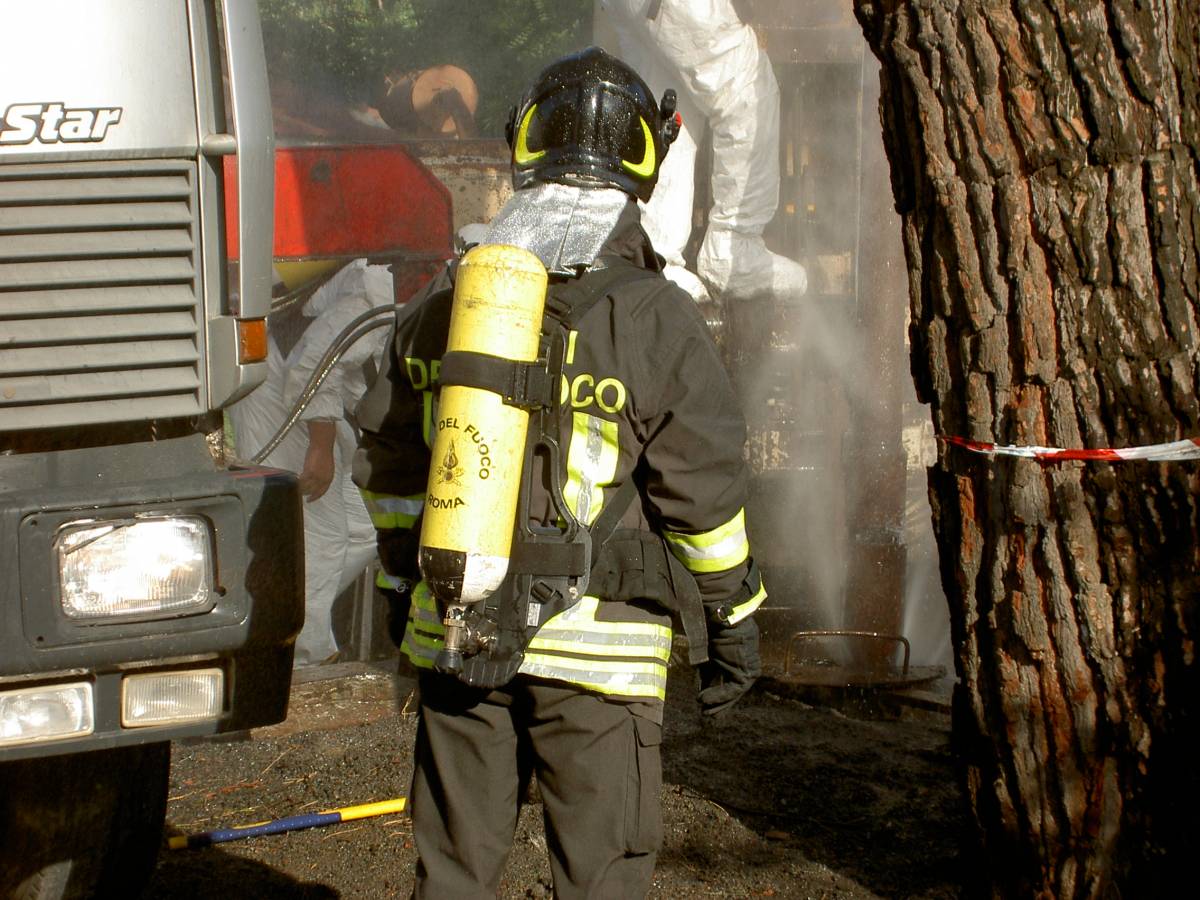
1044	159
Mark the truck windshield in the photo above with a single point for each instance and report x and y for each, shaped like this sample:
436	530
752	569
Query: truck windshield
365	71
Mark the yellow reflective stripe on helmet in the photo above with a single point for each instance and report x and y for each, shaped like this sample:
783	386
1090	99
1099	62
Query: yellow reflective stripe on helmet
591	464
522	155
645	168
744	609
391	511
712	551
576	630
622	679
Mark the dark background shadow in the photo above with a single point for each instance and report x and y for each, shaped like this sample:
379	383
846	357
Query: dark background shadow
866	790
213	874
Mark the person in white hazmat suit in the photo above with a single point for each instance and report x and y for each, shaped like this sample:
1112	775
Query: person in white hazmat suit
339	539
704	50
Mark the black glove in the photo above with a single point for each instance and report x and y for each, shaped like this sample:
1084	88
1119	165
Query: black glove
398	600
733	665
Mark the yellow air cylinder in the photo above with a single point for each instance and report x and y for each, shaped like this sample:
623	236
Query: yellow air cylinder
478	441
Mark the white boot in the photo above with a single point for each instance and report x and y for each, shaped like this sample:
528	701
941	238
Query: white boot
738	266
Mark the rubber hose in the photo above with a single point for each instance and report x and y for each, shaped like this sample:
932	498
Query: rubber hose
345	339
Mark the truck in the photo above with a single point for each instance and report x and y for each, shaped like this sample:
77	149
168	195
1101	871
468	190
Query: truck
149	593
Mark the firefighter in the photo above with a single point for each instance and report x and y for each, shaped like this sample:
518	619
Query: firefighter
641	399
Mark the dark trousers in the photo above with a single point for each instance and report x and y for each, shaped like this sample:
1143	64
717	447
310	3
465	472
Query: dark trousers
598	770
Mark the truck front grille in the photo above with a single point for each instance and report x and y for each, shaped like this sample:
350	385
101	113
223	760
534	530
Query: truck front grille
100	319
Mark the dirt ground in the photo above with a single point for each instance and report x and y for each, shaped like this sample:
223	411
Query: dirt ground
779	798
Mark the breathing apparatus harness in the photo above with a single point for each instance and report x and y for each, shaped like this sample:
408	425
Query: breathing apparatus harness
551	568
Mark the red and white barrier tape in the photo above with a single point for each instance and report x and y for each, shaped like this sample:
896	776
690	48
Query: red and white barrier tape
1170	452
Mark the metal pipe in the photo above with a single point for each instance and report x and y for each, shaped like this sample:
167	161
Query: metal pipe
837	632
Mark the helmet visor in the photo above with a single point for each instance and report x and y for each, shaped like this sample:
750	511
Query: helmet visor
600	121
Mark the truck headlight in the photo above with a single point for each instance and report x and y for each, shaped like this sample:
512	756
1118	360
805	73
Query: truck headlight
48	713
147	567
164	698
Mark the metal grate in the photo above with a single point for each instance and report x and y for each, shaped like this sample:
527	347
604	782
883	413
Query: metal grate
100	317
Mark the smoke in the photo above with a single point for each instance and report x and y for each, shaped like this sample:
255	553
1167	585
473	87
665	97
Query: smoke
838	442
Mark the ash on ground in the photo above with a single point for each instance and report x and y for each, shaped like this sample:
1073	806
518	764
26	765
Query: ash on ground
780	797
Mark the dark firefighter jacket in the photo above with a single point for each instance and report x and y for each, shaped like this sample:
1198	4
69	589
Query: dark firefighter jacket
646	398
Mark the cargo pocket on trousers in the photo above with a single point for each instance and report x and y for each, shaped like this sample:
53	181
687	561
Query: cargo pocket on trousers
643	799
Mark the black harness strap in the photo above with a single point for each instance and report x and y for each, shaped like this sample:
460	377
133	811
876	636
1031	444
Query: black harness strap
572	302
527	385
638	565
531	385
568	306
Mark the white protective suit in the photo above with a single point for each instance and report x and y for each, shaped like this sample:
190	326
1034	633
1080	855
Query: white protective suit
712	59
339	539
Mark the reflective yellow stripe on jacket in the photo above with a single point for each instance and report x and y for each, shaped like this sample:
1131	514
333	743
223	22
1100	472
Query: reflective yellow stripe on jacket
390	511
389	582
591	464
627	659
746	607
425	632
719	550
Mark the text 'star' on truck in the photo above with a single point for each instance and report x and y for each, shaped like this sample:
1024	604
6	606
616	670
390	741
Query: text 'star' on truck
147	594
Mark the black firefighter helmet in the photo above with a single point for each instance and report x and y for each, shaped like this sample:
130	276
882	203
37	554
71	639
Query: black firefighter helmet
590	119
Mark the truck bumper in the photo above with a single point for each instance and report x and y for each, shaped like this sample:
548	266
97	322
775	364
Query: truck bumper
248	632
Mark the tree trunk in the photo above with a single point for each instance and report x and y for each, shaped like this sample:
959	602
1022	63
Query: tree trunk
1044	161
